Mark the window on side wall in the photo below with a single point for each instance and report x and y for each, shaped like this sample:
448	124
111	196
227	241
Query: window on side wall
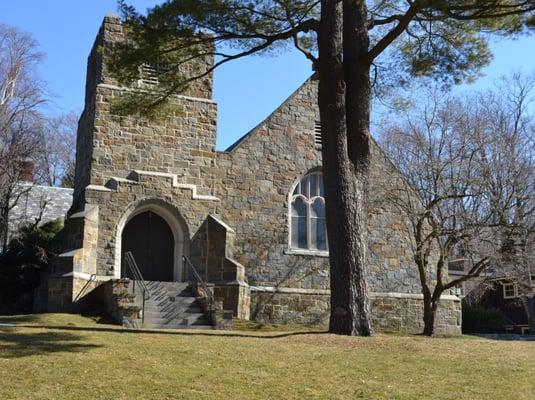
509	290
308	229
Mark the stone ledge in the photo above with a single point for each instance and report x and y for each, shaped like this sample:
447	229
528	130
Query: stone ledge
89	212
113	183
309	253
177	96
98	188
70	253
218	220
283	290
84	276
174	178
326	292
415	296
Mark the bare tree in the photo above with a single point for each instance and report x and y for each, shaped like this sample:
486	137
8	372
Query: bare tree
21	96
507	164
438	146
55	161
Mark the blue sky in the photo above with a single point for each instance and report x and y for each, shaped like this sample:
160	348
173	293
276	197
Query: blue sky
246	90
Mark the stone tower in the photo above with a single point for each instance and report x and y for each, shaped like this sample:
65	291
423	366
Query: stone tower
107	146
138	183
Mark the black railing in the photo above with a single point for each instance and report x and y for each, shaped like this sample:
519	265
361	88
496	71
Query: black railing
86	288
200	281
131	264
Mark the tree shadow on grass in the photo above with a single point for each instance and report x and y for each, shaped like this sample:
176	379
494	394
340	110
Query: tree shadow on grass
18	319
192	332
16	344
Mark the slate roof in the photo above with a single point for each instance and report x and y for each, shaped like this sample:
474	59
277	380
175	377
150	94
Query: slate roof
55	200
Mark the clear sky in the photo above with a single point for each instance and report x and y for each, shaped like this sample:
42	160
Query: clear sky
246	90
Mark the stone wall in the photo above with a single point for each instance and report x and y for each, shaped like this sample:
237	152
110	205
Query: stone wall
257	174
289	305
402	312
126	164
183	145
115	206
113	146
391	312
68	293
116	299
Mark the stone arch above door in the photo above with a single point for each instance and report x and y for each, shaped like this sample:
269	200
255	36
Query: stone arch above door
172	216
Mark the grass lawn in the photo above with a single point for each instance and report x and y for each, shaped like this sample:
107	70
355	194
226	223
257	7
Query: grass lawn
74	357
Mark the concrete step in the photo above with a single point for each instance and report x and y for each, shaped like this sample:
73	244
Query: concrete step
165	304
167	296
156	298
168	310
162	289
167	285
166	293
177	326
151	312
193	319
172	322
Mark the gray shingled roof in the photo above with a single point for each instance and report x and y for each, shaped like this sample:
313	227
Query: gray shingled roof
56	202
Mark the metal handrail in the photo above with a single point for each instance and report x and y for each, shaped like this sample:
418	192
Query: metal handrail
130	262
187	263
92	278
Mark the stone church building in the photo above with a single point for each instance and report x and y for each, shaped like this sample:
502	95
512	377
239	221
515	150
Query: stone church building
249	221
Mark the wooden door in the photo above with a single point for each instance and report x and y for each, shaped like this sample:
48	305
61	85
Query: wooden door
151	241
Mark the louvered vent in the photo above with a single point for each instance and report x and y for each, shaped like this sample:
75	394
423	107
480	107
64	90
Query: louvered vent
149	73
317	134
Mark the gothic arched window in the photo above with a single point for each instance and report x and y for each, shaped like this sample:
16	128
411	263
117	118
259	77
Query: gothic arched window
308	230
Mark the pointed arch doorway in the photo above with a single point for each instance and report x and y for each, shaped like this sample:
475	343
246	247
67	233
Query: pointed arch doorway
150	239
157	240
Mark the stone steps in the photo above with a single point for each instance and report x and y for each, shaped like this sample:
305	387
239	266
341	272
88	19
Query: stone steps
172	305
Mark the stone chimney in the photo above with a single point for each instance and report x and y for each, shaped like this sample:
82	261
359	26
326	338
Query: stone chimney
26	168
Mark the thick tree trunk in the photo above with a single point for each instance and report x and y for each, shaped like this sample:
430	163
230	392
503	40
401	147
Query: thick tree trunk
344	103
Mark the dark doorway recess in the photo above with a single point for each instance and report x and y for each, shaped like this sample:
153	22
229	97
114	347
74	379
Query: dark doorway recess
151	241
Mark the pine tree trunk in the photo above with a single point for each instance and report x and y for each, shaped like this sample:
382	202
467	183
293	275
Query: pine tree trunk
344	103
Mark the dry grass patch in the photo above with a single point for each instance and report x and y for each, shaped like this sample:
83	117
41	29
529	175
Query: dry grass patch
77	358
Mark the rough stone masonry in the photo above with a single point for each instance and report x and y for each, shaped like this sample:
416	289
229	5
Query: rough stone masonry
236	214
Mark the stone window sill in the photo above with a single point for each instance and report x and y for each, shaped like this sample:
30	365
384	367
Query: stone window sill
304	252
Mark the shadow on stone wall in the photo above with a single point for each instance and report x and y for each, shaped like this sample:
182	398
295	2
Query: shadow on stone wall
276	307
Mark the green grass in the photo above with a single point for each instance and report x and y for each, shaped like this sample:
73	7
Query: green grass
76	357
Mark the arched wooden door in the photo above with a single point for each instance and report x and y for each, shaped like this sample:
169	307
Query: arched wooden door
151	241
